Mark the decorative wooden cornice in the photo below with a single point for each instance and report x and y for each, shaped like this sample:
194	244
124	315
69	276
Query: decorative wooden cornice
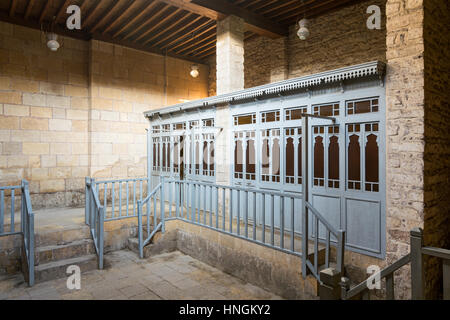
374	68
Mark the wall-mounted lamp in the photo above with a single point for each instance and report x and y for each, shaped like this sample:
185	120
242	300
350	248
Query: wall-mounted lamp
47	29
303	31
52	41
194	71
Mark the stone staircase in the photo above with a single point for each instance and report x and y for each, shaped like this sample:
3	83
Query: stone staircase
58	247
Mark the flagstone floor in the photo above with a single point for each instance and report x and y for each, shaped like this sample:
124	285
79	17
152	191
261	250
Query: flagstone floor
167	276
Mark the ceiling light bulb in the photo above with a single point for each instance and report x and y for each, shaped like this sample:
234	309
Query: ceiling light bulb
52	42
303	31
194	71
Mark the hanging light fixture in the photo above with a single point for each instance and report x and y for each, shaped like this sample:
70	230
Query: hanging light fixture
194	71
52	42
52	37
194	68
303	31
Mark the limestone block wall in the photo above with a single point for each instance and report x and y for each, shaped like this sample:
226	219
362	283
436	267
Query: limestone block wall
43	115
79	111
124	84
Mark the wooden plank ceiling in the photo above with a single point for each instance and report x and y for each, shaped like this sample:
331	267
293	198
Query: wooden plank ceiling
180	28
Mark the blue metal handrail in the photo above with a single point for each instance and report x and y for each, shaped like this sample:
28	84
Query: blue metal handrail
26	223
116	193
95	216
181	199
156	226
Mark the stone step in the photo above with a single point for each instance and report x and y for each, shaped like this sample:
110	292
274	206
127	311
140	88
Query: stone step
160	243
73	249
57	269
58	236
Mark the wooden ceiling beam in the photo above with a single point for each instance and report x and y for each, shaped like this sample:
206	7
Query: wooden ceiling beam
254	22
109	11
164	30
12	9
82	35
62	10
133	20
189	33
197	41
210	46
137	46
170	35
191	38
207	53
92	14
317	9
147	22
158	24
195	8
29	8
44	12
121	17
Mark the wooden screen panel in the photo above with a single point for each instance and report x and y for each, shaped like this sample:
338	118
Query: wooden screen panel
372	164
290	160
265	157
205	158
276	160
354	163
245	119
250	161
197	157
318	161
333	162
211	158
238	159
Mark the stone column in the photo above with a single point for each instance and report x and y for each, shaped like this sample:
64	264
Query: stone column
230	55
404	129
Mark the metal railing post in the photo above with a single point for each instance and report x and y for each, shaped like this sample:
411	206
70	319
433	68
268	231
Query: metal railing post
86	203
162	200
340	252
417	278
305	181
100	237
31	249
141	249
91	196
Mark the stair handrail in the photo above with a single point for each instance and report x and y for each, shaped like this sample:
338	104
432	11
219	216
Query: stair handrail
415	258
340	234
95	217
27	226
387	273
156	226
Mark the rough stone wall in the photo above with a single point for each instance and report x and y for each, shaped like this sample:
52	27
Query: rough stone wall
437	137
49	134
405	130
337	39
266	61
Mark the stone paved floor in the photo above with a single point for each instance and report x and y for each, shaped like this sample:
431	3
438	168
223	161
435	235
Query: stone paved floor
166	276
